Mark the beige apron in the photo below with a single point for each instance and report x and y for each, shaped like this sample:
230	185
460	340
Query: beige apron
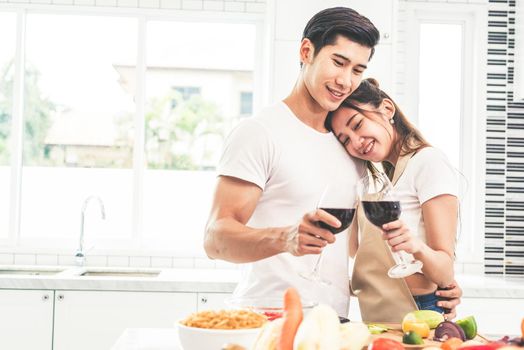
381	298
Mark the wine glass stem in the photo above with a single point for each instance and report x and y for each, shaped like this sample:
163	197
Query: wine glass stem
317	265
401	257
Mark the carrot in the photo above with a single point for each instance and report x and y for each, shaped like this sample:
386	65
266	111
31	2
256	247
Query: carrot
292	319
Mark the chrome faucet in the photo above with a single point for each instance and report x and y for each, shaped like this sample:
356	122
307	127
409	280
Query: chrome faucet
80	254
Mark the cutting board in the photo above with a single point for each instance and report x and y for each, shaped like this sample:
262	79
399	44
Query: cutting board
395	333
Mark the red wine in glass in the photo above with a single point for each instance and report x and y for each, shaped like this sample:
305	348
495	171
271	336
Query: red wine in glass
345	216
381	205
381	212
338	199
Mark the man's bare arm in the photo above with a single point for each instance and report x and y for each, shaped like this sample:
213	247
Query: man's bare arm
227	237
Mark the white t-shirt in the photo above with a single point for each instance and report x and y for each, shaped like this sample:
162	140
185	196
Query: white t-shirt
428	174
292	163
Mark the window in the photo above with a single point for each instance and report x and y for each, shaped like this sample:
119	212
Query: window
444	55
441	125
77	116
127	108
183	94
7	54
246	103
183	143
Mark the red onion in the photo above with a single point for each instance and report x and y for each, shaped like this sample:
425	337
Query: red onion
448	329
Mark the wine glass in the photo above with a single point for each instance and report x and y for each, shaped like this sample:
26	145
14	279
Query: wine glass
381	205
338	200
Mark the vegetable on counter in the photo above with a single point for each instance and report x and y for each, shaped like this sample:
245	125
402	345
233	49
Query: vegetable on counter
448	329
412	338
292	318
469	326
385	344
320	330
377	328
430	317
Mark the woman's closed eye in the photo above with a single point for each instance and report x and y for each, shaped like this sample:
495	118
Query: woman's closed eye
344	140
357	125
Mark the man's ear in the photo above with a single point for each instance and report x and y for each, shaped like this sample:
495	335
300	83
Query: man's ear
388	108
307	51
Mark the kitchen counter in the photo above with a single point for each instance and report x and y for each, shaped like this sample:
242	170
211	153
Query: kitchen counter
204	280
123	279
148	339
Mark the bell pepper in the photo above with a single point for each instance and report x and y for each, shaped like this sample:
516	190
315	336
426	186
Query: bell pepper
385	344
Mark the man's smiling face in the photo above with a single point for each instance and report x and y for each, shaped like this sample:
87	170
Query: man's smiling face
334	72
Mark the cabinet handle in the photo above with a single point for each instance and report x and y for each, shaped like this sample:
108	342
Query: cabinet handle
60	297
203	300
385	35
45	297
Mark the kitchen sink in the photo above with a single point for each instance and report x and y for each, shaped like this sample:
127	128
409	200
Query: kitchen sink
29	271
120	273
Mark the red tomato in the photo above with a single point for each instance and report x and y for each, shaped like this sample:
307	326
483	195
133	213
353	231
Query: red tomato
385	344
272	315
490	346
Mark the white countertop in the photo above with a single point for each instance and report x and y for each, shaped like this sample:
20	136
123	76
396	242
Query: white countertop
167	280
148	339
482	286
206	280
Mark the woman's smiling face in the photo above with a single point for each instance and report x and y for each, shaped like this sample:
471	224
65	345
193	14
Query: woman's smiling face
367	136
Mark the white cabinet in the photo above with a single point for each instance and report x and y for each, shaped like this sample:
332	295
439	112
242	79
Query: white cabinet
95	319
26	319
213	301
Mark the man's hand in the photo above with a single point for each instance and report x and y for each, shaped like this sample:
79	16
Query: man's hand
307	238
453	293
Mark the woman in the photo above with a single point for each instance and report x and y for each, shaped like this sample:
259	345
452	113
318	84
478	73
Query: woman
371	127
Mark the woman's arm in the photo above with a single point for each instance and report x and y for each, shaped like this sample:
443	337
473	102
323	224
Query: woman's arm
440	221
440	216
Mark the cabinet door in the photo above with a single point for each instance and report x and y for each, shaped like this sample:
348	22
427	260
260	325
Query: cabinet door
495	316
26	319
95	319
213	301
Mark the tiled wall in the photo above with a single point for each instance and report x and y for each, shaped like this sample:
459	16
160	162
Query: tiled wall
504	203
247	6
114	261
150	261
504	227
450	1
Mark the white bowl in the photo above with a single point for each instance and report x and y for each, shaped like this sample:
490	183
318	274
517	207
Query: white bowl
193	338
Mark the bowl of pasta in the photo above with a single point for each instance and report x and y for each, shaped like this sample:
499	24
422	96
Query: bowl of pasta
212	329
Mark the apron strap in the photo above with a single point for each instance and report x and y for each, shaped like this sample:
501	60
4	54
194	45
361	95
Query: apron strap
402	162
381	298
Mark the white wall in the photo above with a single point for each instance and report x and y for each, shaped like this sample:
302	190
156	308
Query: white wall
249	6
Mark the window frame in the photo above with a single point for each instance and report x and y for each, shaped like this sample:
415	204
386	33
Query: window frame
473	18
14	243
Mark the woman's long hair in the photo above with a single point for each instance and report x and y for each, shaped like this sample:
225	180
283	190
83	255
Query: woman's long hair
409	137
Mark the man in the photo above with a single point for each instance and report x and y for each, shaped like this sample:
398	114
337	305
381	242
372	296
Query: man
276	165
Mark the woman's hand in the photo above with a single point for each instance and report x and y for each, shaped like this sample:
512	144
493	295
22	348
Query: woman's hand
399	237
